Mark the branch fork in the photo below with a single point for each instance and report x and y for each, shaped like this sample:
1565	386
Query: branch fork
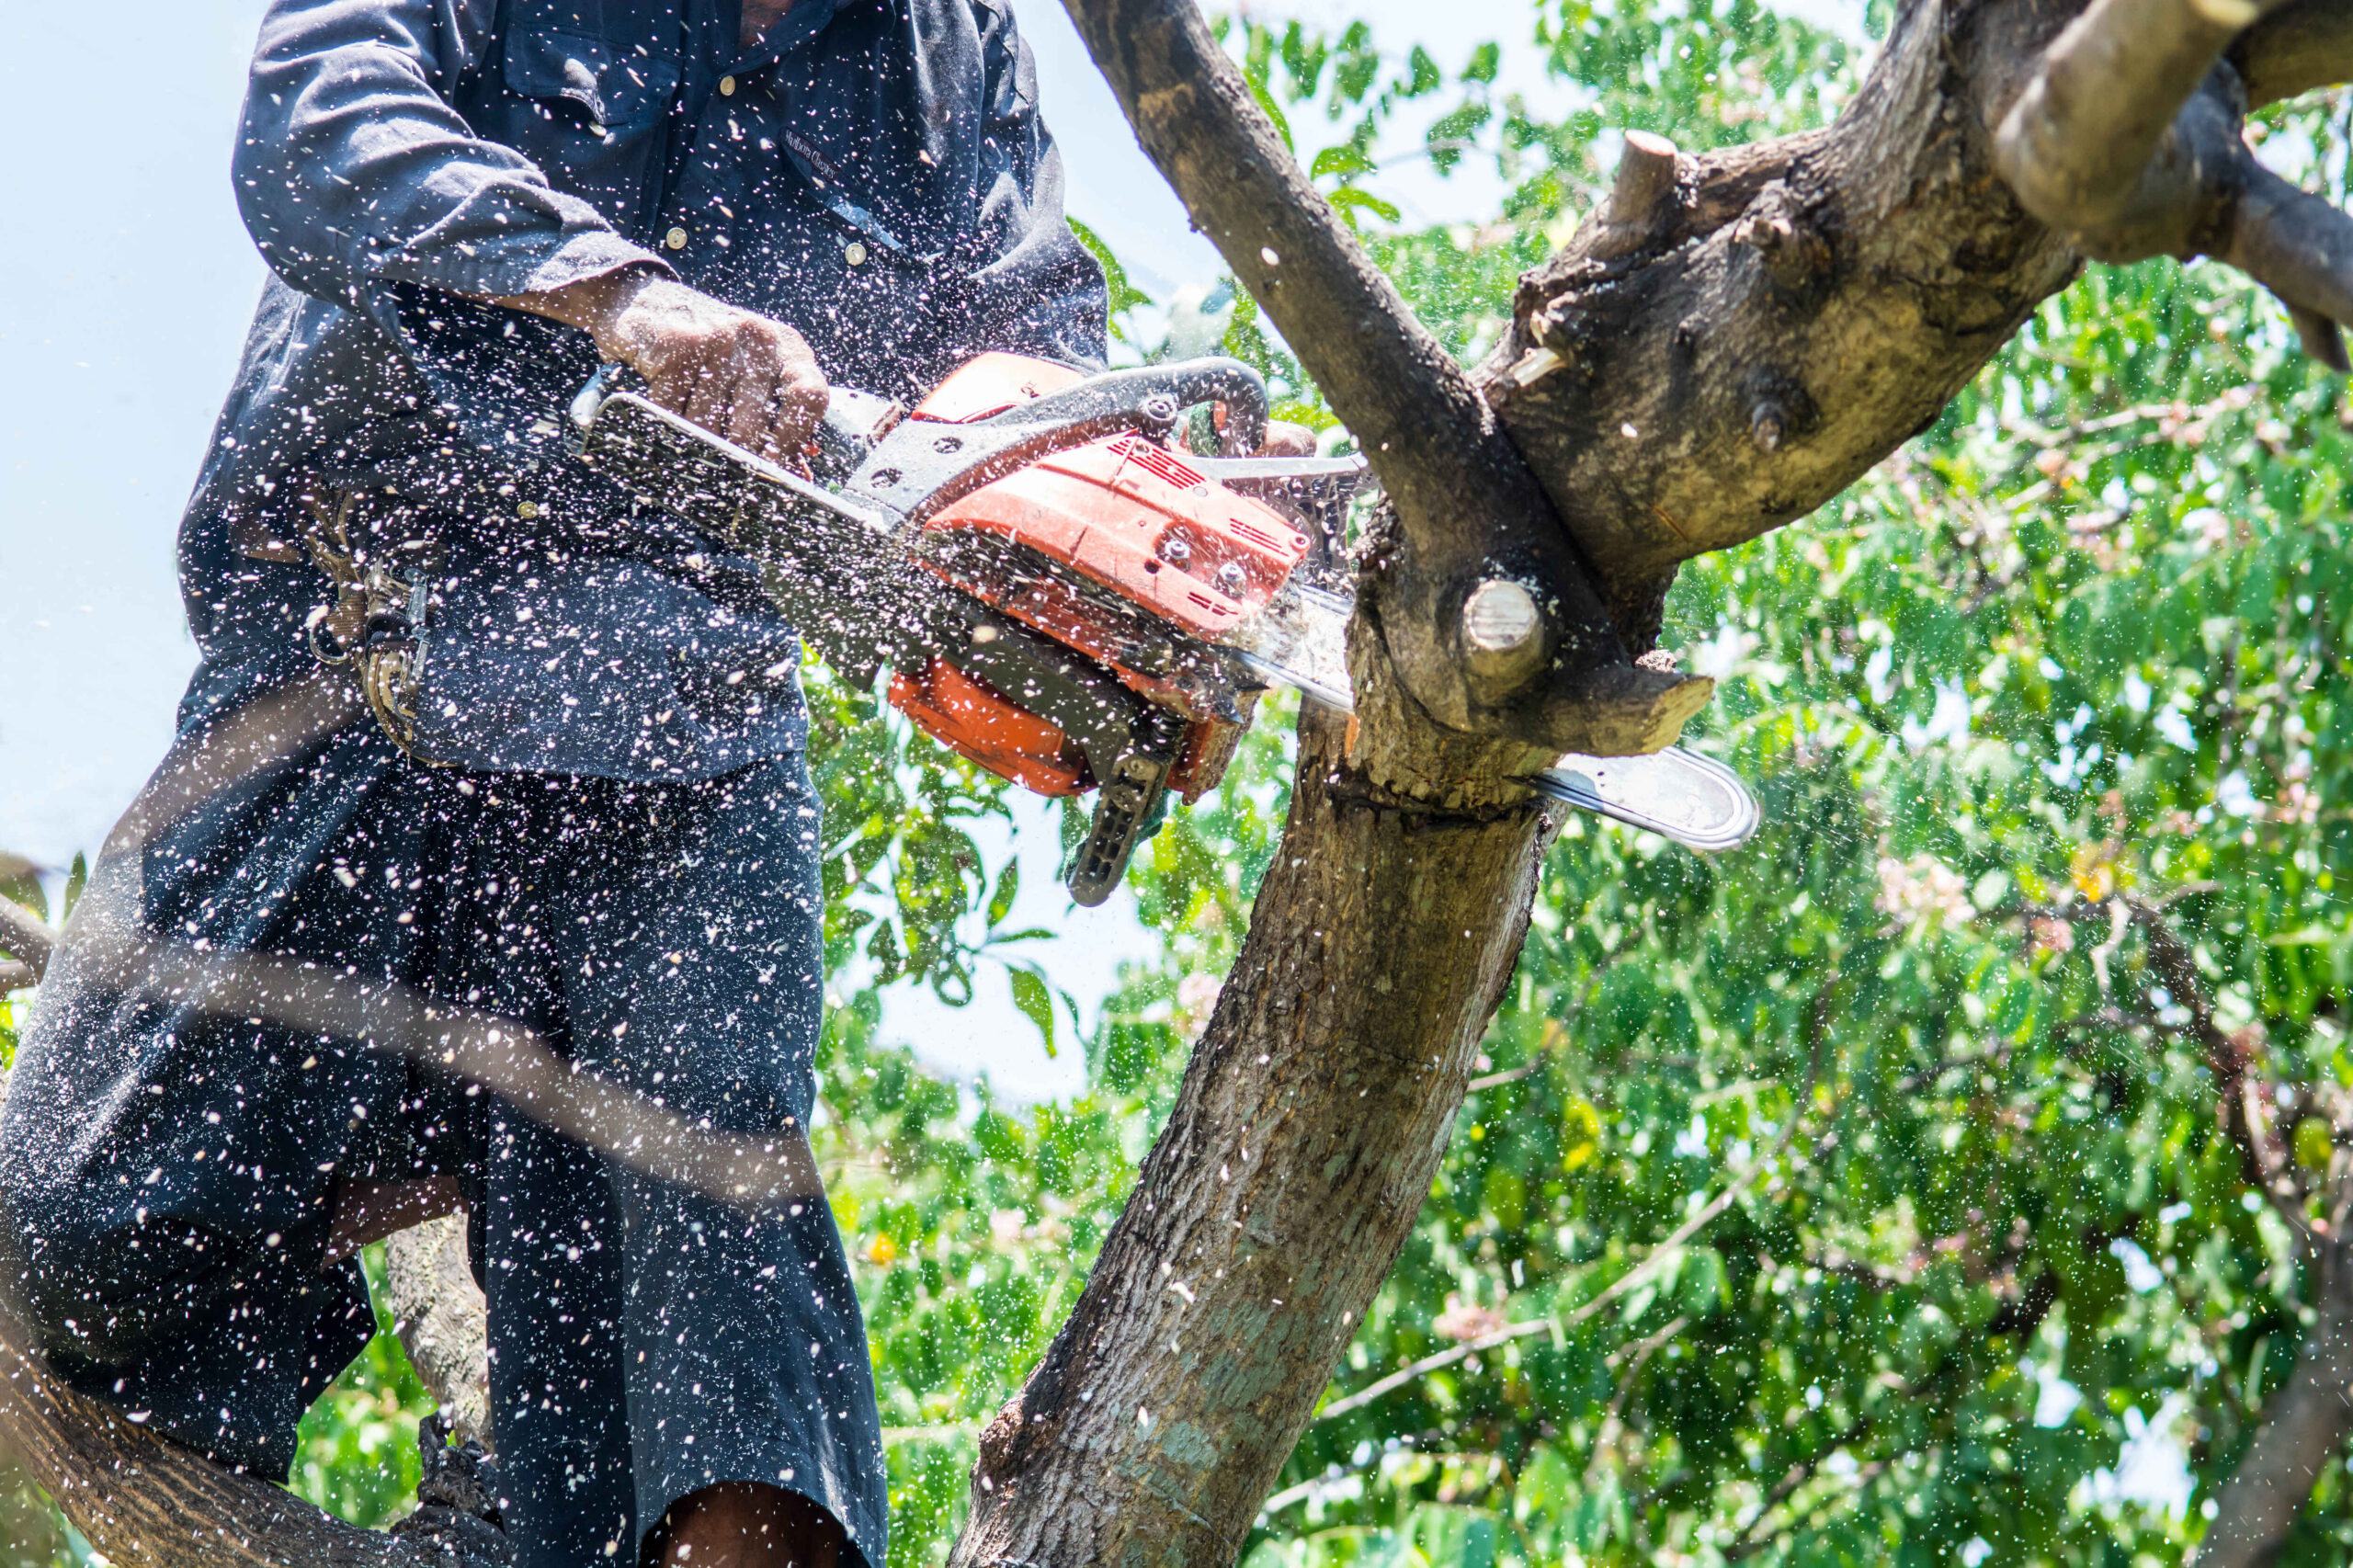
2129	139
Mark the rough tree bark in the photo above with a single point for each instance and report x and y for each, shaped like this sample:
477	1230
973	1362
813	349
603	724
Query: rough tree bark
443	1323
1732	341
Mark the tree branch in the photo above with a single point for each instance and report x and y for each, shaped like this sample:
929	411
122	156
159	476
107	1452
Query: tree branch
2299	47
24	937
2300	247
442	1321
2076	144
2303	1429
146	1503
1468	512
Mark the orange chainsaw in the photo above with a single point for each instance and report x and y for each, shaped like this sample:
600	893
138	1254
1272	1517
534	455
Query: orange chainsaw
1060	595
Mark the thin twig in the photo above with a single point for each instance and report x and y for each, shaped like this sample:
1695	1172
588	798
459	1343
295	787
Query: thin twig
1634	1278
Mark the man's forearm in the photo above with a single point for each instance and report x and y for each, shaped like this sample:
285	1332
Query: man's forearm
589	304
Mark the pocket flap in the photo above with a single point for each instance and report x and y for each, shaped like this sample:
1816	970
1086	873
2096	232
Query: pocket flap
615	92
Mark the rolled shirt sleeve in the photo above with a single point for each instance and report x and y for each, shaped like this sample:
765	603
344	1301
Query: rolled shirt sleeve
353	167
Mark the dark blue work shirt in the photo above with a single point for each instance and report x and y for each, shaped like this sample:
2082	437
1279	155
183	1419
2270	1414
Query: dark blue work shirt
875	174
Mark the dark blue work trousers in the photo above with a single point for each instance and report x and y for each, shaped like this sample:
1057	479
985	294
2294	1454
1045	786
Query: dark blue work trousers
170	1168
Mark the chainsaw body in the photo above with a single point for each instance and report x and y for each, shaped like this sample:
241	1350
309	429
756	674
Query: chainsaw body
1118	548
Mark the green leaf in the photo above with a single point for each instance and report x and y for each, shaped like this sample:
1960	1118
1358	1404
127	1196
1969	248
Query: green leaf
1007	886
1274	112
76	880
1425	76
1036	1001
1124	295
1350	201
1343	160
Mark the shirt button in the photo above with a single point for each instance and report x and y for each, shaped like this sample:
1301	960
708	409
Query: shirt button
675	239
727	87
854	253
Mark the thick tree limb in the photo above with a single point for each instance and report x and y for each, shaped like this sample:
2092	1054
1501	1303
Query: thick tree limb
1801	308
146	1503
1467	509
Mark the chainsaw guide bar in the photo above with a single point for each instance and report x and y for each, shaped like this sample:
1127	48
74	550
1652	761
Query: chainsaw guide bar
1061	598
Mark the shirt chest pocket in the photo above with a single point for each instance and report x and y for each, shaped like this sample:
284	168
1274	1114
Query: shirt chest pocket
591	116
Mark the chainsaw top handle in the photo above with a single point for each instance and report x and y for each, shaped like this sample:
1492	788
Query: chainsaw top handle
1156	395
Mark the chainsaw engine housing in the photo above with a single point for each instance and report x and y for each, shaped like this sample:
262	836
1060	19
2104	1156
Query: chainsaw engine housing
1117	548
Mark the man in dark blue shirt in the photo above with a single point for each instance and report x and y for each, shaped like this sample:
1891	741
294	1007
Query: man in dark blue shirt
577	802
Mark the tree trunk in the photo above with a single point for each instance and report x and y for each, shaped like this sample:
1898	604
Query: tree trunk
1301	1148
2305	1426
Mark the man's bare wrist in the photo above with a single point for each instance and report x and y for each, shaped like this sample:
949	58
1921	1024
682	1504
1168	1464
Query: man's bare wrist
592	304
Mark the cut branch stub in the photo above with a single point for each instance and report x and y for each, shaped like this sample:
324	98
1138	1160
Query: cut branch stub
1503	635
1643	199
1466	508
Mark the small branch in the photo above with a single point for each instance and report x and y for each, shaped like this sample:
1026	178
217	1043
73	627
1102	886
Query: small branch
1634	1278
24	937
2078	141
1636	1357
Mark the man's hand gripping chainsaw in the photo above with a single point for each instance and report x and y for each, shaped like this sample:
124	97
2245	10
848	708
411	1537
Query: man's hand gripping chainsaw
1061	597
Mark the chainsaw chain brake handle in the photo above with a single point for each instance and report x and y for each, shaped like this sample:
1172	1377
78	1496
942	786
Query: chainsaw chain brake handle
835	563
920	465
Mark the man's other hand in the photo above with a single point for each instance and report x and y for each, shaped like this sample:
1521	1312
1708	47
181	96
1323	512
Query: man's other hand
734	373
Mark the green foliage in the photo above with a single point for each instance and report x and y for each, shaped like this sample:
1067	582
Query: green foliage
356	1451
